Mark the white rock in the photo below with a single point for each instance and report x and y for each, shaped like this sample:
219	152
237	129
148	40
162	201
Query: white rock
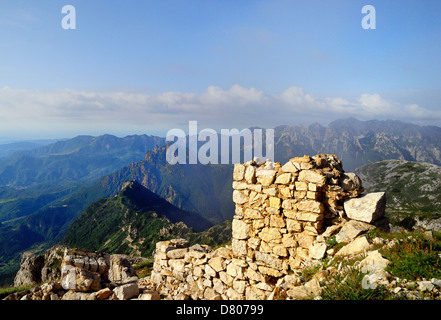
351	230
373	262
289	167
239	197
318	250
366	208
239	172
149	295
359	245
425	286
127	291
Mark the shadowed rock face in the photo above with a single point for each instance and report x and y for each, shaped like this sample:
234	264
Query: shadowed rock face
30	270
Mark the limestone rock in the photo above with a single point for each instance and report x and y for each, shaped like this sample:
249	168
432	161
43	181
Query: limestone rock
104	294
73	295
127	291
239	197
241	229
351	230
350	182
265	177
271	235
30	270
359	245
120	268
374	262
313	176
318	250
51	270
149	295
290	167
425	286
239	172
310	290
250	174
372	280
177	253
283	178
310	206
87	281
367	208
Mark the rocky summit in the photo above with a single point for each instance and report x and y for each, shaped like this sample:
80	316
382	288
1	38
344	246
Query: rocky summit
290	219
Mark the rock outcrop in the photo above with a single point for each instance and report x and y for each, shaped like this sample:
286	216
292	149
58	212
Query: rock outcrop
30	270
73	274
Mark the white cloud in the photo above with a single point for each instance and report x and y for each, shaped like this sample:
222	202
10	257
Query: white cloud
376	105
297	98
216	107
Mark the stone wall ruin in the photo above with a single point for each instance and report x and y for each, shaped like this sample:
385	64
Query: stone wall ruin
283	217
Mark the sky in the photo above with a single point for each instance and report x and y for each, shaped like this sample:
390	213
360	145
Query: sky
140	66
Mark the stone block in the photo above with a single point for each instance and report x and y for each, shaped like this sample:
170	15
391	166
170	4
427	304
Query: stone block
239	197
314	176
366	208
271	235
240	229
238	172
127	291
283	178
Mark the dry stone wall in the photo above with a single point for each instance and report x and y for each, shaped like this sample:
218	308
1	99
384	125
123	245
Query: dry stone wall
283	217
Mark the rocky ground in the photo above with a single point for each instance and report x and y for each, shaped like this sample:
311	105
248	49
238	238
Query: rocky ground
356	265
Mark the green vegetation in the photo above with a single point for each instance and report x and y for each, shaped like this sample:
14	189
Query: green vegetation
135	220
7	290
415	256
144	269
347	286
46	210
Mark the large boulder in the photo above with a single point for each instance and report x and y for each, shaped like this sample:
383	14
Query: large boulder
367	208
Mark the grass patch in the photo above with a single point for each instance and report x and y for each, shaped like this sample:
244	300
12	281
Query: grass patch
7	290
348	286
309	272
144	269
415	256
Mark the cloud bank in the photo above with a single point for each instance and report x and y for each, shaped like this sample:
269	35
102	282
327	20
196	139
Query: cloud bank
236	107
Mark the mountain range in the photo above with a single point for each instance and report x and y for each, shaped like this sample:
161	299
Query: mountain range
44	189
360	142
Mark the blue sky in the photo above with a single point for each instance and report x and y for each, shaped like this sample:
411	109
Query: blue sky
150	66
